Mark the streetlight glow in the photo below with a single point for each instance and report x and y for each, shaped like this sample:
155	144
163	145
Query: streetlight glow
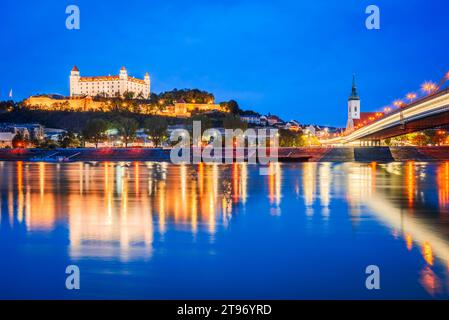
411	96
398	103
428	87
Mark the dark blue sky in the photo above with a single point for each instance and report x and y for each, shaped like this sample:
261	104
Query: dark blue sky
292	58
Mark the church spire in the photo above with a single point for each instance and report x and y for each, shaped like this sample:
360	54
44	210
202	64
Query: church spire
354	94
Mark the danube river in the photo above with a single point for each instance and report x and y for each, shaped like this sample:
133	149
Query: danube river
156	230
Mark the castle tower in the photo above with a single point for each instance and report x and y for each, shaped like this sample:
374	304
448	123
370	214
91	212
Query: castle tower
147	85
353	106
74	81
123	76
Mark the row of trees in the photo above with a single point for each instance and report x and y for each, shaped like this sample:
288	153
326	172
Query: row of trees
136	103
422	138
96	130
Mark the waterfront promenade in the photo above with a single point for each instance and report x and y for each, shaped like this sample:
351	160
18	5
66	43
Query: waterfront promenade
310	154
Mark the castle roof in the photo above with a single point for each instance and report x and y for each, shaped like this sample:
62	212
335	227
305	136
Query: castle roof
75	68
123	68
100	78
136	80
109	78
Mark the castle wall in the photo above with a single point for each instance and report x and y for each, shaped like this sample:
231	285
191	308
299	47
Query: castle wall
75	104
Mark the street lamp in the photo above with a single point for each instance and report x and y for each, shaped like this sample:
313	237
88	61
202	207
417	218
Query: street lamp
411	96
428	87
398	103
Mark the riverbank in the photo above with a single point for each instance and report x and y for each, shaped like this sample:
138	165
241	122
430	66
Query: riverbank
313	154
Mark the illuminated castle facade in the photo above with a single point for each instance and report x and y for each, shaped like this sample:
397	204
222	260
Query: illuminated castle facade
109	86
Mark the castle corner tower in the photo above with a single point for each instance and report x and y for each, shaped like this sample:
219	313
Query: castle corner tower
147	90
74	81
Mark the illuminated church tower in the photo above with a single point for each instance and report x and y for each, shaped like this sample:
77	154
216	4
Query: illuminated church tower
353	106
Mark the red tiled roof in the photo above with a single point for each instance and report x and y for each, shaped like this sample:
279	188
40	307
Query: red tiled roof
136	80
366	117
110	78
99	78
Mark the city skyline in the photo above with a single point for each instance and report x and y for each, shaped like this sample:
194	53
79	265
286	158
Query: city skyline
269	57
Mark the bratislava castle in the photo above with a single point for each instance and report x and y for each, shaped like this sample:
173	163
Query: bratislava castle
108	86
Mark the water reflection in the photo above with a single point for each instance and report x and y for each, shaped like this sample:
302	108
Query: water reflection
115	210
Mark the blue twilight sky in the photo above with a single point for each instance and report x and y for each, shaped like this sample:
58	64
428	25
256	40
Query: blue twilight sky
288	57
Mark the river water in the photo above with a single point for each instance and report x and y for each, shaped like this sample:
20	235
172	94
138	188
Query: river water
161	231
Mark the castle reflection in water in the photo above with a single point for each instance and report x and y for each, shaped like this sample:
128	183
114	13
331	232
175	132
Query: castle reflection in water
114	209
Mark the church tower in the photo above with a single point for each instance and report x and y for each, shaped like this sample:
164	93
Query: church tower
353	106
74	81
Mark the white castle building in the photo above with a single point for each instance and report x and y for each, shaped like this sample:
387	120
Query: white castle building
109	86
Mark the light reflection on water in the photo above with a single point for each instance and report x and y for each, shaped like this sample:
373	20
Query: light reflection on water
308	220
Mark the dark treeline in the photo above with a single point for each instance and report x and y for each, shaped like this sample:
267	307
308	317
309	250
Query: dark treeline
73	121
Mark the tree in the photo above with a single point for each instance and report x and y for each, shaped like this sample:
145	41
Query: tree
48	143
95	131
289	138
156	129
205	121
233	107
419	139
188	95
69	140
127	128
19	140
231	121
128	95
140	96
7	105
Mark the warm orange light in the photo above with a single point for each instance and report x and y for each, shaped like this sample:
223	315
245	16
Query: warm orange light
398	103
411	96
428	87
427	253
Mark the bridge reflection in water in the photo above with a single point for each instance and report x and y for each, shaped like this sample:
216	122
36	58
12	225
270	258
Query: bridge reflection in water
114	210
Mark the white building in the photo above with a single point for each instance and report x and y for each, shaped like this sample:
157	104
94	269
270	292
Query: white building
54	134
6	139
109	86
254	119
353	106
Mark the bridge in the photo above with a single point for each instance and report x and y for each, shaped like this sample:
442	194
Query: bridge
428	112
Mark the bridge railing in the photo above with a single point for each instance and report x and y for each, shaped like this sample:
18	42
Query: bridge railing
407	106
